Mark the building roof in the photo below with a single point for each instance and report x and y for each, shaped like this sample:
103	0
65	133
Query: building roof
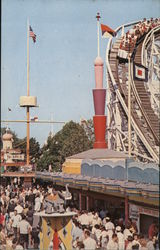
99	154
7	137
146	191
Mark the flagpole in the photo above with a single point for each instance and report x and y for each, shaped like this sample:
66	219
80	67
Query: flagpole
98	17
28	127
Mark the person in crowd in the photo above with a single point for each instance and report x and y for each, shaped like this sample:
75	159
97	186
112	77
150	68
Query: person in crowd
120	236
128	243
37	206
75	243
113	243
16	245
136	239
16	218
104	238
84	219
2	236
25	210
2	218
89	243
24	230
11	208
135	246
29	215
127	232
151	244
19	208
96	219
9	240
102	213
77	231
97	234
35	238
152	229
143	243
31	197
109	225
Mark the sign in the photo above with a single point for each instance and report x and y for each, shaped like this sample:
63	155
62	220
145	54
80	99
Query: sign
14	156
148	211
135	211
134	214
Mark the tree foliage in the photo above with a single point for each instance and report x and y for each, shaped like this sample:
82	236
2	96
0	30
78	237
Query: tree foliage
72	139
89	129
34	148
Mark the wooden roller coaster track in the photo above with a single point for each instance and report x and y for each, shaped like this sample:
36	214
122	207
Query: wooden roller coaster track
144	121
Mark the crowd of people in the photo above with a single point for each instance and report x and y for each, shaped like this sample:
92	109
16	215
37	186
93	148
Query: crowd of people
132	36
95	230
19	228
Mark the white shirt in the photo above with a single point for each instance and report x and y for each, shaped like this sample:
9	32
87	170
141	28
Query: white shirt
120	240
110	233
98	234
126	233
37	204
112	245
136	242
19	247
19	209
35	191
24	227
109	226
150	245
16	220
84	219
89	244
104	238
96	220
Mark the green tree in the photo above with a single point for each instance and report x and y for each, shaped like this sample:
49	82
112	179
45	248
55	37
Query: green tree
72	139
89	129
34	149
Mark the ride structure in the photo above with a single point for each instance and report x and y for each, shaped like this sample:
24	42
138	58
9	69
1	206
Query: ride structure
144	98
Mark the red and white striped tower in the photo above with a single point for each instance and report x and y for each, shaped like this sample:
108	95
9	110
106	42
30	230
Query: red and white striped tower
99	97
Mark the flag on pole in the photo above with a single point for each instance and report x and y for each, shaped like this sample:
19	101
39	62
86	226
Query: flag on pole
34	119
140	72
107	32
32	34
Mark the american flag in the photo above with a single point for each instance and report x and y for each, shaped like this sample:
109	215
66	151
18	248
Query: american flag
31	34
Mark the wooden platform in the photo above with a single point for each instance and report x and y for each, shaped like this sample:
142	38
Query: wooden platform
18	174
13	164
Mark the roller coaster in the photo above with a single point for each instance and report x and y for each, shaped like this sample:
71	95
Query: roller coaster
145	96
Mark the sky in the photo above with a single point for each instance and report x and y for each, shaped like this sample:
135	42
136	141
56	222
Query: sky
61	60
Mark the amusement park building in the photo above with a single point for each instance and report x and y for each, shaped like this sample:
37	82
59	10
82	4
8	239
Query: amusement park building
104	178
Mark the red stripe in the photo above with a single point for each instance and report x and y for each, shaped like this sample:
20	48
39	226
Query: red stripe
32	34
106	28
